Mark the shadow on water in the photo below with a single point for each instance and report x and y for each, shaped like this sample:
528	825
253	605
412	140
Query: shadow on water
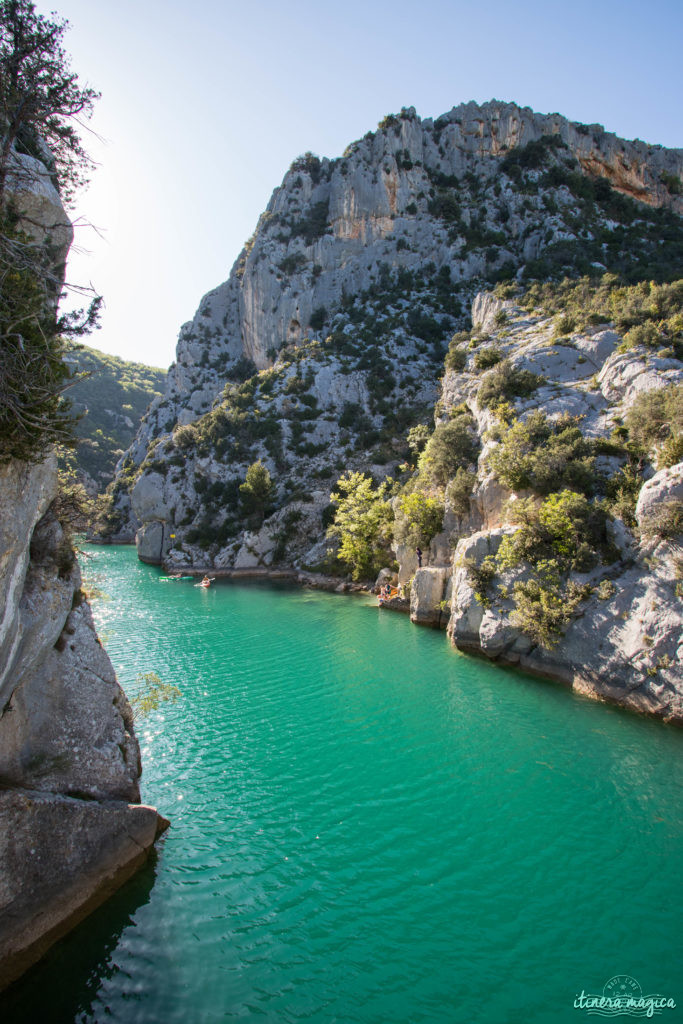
62	987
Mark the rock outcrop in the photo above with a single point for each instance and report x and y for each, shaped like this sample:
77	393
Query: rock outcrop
623	641
71	824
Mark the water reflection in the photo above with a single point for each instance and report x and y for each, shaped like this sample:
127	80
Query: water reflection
63	987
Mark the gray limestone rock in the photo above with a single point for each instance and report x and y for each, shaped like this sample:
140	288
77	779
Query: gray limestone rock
66	731
430	587
61	858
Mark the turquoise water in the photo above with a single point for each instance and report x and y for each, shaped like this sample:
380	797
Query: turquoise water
367	826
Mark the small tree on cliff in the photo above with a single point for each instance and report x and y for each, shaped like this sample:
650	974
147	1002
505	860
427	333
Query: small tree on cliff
41	101
41	104
257	491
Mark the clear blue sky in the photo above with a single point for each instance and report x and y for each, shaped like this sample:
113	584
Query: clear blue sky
206	103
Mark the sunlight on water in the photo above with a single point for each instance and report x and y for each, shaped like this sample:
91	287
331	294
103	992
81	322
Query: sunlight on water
367	826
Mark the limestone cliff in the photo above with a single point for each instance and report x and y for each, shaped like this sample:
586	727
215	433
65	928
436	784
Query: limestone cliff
347	294
622	641
71	824
326	345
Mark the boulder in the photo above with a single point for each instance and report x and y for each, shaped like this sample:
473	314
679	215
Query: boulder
428	591
152	542
61	858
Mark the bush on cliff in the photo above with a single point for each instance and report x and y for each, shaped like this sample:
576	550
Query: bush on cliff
451	446
544	455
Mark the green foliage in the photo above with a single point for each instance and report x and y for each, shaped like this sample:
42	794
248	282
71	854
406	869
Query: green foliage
41	104
418	436
318	317
257	491
485	358
33	375
450	447
645	313
290	264
313	224
544	455
530	157
459	491
672	182
186	437
420	519
505	382
565	527
480	577
107	395
621	493
152	693
456	357
544	606
242	370
655	424
566	532
362	524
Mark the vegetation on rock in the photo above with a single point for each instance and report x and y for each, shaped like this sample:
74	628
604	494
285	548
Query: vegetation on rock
41	104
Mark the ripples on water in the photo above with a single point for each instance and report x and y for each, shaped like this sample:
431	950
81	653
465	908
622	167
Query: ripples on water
367	826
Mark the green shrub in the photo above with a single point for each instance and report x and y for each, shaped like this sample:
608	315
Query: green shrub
318	317
543	606
459	491
456	356
655	418
544	455
485	358
505	382
672	182
290	264
566	528
257	491
480	577
621	494
451	446
185	437
418	437
563	325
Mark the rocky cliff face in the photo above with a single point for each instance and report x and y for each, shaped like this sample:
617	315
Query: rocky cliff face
71	824
326	344
622	640
72	828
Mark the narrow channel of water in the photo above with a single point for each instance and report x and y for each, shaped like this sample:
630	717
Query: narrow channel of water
367	826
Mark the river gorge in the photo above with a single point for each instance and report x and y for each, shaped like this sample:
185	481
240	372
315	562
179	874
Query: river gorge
366	825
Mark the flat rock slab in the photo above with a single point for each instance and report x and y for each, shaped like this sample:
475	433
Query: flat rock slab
60	858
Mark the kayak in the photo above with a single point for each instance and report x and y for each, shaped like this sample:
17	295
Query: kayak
174	579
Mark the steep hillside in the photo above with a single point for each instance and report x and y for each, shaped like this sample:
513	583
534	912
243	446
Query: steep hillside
109	397
323	354
347	295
